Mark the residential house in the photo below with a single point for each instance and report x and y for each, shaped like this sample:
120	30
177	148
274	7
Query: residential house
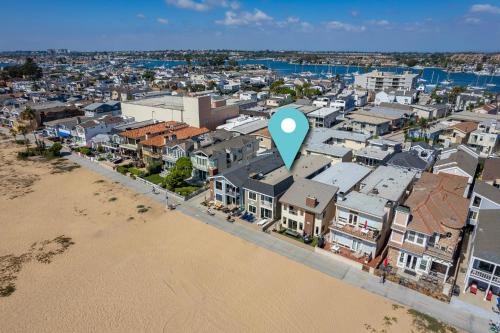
360	226
112	108
346	176
406	97
153	147
377	152
86	130
372	125
346	139
486	138
483	268
491	172
324	117
264	137
410	160
63	128
427	229
336	153
227	188
218	157
460	161
262	191
430	112
307	207
484	196
458	133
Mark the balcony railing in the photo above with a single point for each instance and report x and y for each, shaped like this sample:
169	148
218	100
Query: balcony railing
361	233
485	275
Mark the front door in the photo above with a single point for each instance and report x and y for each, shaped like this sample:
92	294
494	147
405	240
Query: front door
355	245
411	262
309	226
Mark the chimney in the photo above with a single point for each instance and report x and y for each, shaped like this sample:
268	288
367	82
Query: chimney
340	196
311	201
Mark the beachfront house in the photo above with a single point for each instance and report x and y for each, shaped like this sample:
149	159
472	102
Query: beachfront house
484	196
307	208
484	263
427	229
216	158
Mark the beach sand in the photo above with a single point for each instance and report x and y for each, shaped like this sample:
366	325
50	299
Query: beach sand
114	269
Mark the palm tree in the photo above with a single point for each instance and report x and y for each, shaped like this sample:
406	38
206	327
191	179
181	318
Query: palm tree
28	116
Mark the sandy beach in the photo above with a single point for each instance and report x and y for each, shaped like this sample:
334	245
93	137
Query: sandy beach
87	255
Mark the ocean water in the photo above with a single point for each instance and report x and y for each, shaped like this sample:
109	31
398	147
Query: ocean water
431	75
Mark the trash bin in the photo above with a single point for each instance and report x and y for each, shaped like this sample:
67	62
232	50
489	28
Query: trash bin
489	295
473	288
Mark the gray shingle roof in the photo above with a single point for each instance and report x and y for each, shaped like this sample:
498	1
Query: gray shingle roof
461	159
408	159
487	240
488	191
301	188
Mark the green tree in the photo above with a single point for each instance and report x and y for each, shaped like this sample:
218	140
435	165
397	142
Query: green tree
148	76
177	176
185	166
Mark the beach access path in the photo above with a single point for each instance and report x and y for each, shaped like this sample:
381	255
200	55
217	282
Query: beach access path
457	313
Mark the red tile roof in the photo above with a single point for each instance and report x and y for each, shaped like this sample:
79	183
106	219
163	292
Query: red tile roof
181	134
465	127
437	201
158	128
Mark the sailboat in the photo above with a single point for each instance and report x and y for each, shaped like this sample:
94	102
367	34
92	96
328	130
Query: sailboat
491	84
447	81
477	86
431	85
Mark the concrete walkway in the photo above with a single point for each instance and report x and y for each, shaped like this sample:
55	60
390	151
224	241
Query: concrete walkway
462	315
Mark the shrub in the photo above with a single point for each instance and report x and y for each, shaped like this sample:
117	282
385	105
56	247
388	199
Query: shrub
122	169
85	151
154	167
136	172
55	149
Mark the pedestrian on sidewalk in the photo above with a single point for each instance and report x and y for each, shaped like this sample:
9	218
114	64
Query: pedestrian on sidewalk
383	277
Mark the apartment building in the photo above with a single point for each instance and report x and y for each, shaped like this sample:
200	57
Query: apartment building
386	80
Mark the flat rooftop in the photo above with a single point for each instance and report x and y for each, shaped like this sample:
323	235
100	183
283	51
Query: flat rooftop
388	182
344	175
365	203
164	102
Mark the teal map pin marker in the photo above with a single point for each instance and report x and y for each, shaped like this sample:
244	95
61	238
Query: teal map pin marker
288	128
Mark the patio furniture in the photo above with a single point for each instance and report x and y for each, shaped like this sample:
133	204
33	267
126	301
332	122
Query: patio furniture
335	249
292	233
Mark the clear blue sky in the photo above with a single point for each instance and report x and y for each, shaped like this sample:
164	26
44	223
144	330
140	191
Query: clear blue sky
361	25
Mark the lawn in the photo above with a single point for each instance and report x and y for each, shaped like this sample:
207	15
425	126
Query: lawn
154	178
186	190
300	239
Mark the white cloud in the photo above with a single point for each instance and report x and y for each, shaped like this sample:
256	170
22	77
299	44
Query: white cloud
337	25
141	16
162	20
380	23
203	5
232	18
485	8
472	20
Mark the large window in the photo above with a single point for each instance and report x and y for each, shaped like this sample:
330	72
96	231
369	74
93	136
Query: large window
266	200
252	209
292	224
415	237
476	202
218	185
265	213
401	257
423	264
353	219
252	195
218	197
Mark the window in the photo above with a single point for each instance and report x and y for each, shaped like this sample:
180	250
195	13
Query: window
301	226
420	239
401	257
476	202
284	220
353	219
317	230
423	264
292	224
265	213
410	236
218	197
266	200
252	209
252	195
472	215
218	185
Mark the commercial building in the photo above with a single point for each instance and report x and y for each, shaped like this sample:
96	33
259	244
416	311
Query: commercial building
195	111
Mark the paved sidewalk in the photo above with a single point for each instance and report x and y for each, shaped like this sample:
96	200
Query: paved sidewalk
464	316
